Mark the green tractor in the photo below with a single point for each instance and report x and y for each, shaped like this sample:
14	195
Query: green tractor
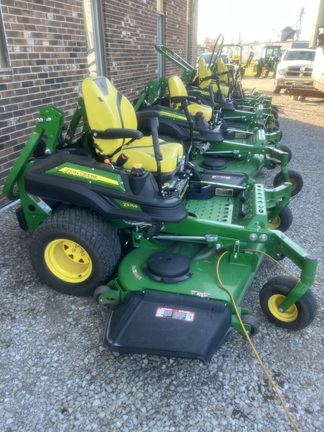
267	61
119	216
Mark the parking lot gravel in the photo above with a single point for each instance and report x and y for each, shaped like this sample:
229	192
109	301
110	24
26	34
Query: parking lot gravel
56	375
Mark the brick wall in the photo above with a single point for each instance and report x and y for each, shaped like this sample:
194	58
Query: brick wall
131	56
48	54
176	32
47	50
131	33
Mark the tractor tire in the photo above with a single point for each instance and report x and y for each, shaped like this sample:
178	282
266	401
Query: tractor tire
298	316
74	251
282	221
295	179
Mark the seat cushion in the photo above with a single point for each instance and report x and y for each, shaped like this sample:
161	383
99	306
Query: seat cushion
177	88
107	108
142	152
205	109
204	72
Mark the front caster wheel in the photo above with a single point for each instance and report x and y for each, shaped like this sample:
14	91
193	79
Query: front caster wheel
298	316
251	324
74	251
286	149
295	179
282	221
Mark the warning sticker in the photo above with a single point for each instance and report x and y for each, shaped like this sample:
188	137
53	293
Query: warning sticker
200	293
176	314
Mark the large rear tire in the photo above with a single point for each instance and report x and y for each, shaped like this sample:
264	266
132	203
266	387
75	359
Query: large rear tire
74	251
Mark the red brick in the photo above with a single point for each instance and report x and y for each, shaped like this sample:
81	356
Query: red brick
48	55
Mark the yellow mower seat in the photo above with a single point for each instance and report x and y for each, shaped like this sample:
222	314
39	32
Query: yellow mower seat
106	109
204	71
177	88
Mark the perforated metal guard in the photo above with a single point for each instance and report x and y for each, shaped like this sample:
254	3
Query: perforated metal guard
218	209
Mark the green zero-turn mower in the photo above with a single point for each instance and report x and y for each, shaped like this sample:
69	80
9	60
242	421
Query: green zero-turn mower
212	147
236	106
231	81
117	215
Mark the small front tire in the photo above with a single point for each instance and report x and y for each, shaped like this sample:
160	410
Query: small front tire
282	221
252	323
295	179
296	317
286	149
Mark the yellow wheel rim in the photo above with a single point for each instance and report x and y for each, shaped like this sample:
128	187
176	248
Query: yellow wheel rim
293	183
68	261
275	223
291	313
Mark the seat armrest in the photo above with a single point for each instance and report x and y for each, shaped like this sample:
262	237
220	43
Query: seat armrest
179	99
117	133
147	114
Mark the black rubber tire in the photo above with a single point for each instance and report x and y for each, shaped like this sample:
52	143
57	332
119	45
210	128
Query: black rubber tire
305	308
283	221
286	149
296	181
249	319
275	113
92	234
277	89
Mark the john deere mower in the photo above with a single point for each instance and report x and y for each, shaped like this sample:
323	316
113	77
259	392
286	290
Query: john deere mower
119	216
211	146
246	118
226	83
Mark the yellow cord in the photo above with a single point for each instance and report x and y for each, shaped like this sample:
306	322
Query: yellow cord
279	265
273	384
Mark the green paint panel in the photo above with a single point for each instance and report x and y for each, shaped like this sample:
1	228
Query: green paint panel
236	274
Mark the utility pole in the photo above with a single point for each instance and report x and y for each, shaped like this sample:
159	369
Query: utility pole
299	24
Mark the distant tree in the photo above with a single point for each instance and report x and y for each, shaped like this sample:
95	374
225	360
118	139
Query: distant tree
209	43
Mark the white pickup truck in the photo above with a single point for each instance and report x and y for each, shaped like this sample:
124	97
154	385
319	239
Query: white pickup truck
295	69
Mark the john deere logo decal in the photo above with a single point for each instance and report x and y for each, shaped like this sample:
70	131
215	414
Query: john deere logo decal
173	115
87	175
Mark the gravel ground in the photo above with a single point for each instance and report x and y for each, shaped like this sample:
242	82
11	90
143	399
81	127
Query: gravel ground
57	376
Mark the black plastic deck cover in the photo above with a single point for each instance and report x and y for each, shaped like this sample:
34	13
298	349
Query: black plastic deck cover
167	324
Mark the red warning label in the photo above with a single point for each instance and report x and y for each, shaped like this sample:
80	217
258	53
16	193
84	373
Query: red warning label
176	314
